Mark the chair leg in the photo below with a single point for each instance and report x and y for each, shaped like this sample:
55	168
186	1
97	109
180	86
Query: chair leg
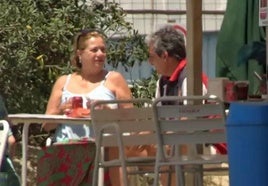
199	175
98	155
95	172
179	176
156	175
125	177
123	167
169	179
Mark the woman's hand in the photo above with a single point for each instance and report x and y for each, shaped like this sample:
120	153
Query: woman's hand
66	107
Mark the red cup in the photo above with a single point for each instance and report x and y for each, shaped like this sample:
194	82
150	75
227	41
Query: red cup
241	90
77	102
229	91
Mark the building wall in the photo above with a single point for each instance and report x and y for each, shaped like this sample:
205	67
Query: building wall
146	23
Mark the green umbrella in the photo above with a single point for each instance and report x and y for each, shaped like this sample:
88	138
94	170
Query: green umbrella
239	29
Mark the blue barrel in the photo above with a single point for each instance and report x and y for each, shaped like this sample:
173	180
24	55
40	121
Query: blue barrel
247	142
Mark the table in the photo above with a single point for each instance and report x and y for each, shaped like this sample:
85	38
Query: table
27	120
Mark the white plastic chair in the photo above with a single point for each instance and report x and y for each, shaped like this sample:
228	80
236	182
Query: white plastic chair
193	121
4	128
121	128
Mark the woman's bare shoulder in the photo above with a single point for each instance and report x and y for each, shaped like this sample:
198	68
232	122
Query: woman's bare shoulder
114	75
61	80
115	80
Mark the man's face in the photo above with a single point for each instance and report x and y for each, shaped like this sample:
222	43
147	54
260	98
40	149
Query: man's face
157	61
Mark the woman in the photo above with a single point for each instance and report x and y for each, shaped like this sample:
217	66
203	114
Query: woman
90	81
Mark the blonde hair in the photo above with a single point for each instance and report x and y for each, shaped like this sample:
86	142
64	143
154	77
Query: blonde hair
80	43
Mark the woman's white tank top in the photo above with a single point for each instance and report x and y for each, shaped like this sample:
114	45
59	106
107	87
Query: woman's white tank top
65	132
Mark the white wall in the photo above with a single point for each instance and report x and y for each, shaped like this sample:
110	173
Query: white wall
146	23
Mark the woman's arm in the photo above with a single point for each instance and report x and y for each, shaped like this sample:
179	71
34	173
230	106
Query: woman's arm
54	102
117	83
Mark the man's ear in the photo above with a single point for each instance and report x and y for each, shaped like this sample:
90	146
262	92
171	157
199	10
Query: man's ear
165	55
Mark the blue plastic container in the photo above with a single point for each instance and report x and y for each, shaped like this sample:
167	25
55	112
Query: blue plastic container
247	139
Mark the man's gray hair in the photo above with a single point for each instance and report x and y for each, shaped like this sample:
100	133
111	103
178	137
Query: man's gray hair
168	39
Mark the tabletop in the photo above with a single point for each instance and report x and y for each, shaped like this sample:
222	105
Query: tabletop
37	118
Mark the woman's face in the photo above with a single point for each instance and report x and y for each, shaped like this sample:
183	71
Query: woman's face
94	55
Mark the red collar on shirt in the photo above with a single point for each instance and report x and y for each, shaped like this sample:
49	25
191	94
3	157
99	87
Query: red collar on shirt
176	74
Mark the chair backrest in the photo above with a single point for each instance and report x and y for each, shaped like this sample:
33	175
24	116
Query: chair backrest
189	120
4	128
133	125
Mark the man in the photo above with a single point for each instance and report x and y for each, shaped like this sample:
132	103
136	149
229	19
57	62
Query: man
167	53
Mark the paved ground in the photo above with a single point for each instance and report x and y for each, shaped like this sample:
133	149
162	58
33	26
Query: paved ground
217	180
31	164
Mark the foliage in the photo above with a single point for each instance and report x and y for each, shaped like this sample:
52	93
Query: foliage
128	50
35	45
144	88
